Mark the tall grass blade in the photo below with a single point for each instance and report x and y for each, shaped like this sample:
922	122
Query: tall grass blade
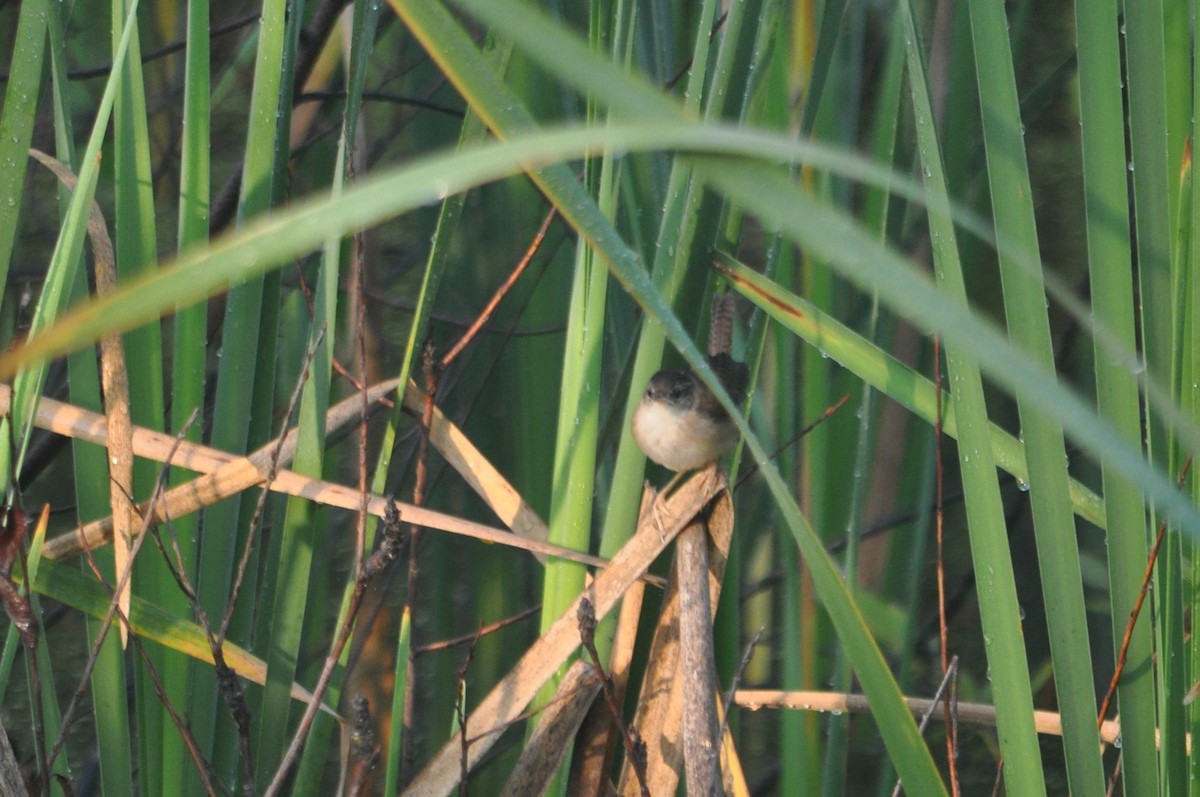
1110	264
1045	450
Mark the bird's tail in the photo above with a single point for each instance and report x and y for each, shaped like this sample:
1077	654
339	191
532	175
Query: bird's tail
720	328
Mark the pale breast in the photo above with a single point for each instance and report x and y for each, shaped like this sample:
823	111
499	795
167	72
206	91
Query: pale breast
679	441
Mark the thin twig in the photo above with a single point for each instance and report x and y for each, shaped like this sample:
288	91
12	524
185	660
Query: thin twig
360	357
826	415
737	679
1115	777
629	736
463	639
86	73
382	96
489	309
939	525
525	716
389	545
432	371
683	70
460	709
1123	654
950	679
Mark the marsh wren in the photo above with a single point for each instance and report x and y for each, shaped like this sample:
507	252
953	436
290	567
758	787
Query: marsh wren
679	423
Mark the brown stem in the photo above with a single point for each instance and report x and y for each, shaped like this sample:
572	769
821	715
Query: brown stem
1123	654
701	747
486	314
939	524
431	372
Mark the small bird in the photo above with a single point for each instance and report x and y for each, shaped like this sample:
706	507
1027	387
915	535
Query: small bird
679	423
